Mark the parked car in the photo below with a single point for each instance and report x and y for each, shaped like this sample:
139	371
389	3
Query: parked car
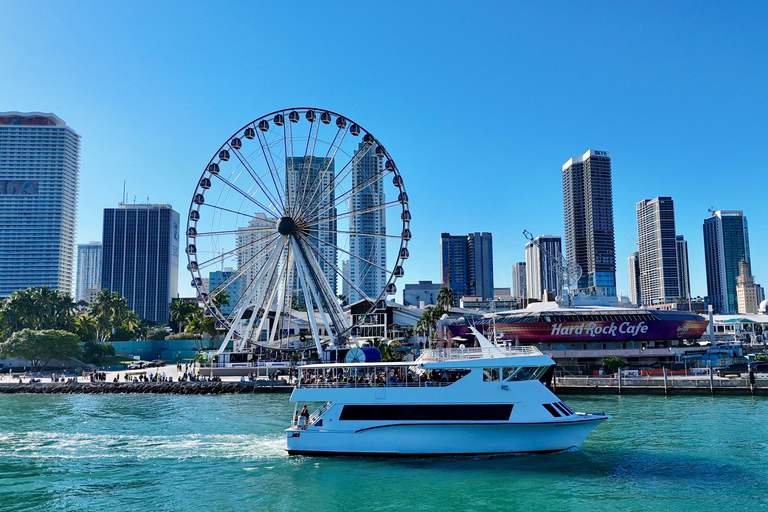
759	366
137	366
732	369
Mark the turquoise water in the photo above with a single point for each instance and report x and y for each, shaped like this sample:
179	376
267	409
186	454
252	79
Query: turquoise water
165	452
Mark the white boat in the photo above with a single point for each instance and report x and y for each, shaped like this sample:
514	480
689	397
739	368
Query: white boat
457	401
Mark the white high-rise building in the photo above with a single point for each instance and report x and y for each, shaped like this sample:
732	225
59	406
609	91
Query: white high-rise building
541	271
369	252
519	286
252	254
88	270
39	180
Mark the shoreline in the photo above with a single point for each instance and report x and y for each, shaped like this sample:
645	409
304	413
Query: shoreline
172	388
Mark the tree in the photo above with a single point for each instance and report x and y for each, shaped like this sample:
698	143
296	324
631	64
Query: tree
445	298
37	308
95	352
41	346
181	313
110	310
612	364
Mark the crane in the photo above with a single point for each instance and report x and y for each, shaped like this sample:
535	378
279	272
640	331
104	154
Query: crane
568	272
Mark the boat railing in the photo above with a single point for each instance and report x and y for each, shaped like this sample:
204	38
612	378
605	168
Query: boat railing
362	385
439	355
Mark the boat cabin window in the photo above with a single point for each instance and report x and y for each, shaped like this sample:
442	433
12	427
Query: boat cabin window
523	373
490	374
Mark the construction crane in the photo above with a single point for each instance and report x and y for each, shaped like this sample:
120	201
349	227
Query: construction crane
568	272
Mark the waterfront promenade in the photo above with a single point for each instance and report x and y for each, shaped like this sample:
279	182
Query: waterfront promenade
701	384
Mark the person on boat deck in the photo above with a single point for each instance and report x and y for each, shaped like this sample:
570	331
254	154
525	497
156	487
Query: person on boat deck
304	417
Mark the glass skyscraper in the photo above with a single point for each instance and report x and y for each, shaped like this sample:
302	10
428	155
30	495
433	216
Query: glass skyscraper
140	257
369	252
39	179
726	243
657	249
588	213
466	263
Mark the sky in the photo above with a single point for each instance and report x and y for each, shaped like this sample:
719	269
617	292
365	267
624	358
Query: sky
480	104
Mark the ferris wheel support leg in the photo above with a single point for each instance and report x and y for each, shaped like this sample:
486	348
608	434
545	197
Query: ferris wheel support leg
247	301
281	299
310	312
335	311
259	304
331	334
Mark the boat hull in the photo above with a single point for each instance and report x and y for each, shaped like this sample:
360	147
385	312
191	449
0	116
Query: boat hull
431	439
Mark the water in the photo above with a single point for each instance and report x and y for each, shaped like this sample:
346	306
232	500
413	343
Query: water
166	452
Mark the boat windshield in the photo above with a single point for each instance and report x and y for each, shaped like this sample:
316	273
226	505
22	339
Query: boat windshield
512	373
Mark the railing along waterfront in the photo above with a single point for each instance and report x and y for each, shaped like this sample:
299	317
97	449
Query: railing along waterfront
694	384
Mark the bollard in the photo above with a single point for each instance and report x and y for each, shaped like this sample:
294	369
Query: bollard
665	380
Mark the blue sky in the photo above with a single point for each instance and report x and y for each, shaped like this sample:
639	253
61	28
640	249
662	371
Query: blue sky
480	103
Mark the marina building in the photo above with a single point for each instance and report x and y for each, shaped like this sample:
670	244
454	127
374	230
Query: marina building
466	263
140	258
367	244
657	251
588	214
541	264
425	292
726	243
39	181
88	270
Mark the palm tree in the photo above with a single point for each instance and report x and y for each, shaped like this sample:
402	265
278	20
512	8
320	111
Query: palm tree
109	306
445	298
181	313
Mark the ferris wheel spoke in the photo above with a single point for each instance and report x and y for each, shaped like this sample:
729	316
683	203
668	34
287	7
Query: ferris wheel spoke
336	182
361	211
321	210
256	178
220	257
329	158
340	273
202	234
247	196
306	163
269	159
338	318
354	233
350	254
266	295
242	214
247	300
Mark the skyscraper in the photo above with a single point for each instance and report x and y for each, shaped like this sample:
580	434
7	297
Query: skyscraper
657	249
540	270
252	252
466	263
683	272
588	213
726	243
228	281
633	264
313	177
369	253
88	270
140	257
746	290
519	282
39	180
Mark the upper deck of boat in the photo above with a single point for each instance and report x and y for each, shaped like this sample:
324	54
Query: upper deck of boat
454	358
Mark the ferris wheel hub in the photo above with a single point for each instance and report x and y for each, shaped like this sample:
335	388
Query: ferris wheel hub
285	226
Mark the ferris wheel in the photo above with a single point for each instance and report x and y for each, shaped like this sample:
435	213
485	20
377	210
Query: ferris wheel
299	215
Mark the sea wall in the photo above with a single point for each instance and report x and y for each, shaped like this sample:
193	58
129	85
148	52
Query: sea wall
175	388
